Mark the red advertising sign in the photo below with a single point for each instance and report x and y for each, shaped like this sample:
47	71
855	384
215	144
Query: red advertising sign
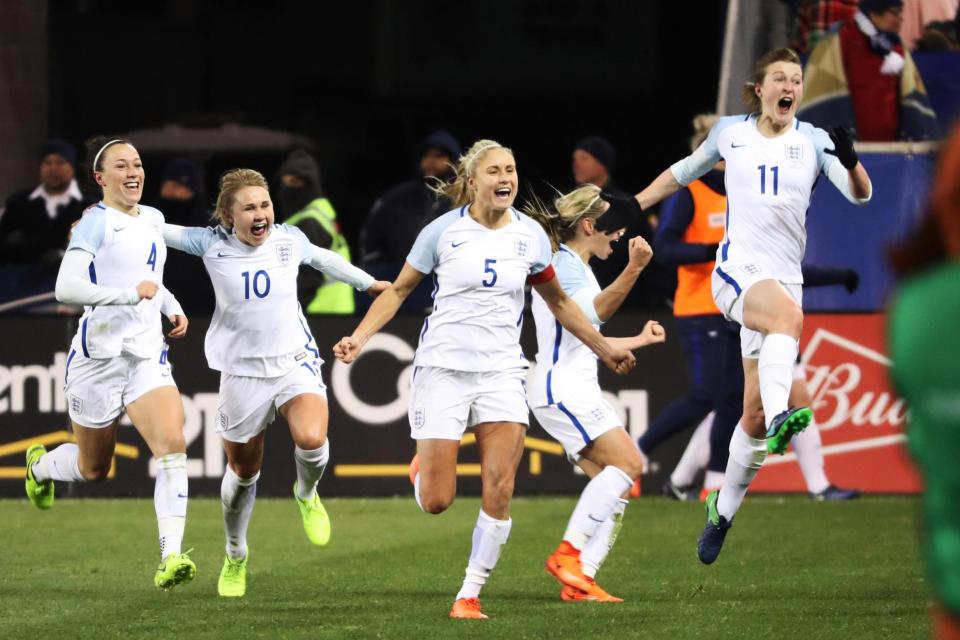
861	419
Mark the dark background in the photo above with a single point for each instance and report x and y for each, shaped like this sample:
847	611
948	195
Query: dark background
365	80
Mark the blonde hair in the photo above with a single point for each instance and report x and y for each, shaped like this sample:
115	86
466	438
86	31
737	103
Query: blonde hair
568	209
702	123
456	188
749	94
230	183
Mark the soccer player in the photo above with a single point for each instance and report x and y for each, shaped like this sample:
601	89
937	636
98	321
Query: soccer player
268	361
564	392
772	163
469	370
118	358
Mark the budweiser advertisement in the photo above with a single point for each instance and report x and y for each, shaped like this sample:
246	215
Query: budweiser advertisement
860	417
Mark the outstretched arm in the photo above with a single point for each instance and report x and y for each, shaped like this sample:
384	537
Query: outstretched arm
379	314
848	174
664	186
653	333
609	300
574	321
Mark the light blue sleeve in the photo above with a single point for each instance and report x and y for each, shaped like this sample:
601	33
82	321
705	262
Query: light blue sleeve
821	142
705	156
306	248
192	240
423	254
88	234
570	272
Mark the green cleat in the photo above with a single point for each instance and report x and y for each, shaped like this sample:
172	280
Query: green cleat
786	425
316	522
233	577
176	568
39	493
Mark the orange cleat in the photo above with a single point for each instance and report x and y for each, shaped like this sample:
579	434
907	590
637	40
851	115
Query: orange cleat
414	468
564	565
635	490
706	492
596	594
467	608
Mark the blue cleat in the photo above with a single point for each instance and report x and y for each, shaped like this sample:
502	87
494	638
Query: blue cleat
832	493
711	540
786	425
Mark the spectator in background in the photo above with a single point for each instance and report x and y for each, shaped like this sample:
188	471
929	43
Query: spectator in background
861	77
817	18
925	370
593	160
398	215
917	14
303	202
36	222
182	202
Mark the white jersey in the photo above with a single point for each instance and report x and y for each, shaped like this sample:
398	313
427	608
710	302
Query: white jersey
769	182
565	366
478	294
258	329
126	251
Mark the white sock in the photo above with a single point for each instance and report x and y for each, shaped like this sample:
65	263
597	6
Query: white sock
746	457
416	491
63	463
713	480
593	555
778	352
170	501
809	450
695	456
489	535
310	466
237	496
597	502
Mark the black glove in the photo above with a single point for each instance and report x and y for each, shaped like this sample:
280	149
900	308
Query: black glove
843	147
851	280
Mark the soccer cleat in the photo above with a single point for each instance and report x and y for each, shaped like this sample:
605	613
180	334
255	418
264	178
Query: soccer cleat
176	568
786	425
711	540
39	493
316	522
467	608
673	491
564	565
636	489
414	469
832	493
596	594
233	577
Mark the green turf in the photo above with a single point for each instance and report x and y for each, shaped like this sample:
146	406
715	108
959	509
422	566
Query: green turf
791	569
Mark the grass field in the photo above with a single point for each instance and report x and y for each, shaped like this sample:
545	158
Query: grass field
790	569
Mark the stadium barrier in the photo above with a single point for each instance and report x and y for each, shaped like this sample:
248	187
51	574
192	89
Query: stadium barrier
862	421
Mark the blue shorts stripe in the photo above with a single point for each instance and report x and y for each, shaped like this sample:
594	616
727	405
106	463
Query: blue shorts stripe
66	372
576	423
83	338
730	281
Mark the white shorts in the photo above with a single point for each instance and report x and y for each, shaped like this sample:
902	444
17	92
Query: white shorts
444	402
248	405
577	421
730	281
97	389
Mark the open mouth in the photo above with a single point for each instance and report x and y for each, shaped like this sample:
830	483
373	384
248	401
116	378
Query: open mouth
259	229
503	193
132	185
784	105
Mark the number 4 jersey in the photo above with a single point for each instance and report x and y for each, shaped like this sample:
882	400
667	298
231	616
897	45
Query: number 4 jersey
258	329
478	292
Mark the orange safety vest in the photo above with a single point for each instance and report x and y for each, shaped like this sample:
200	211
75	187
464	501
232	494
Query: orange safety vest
694	296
